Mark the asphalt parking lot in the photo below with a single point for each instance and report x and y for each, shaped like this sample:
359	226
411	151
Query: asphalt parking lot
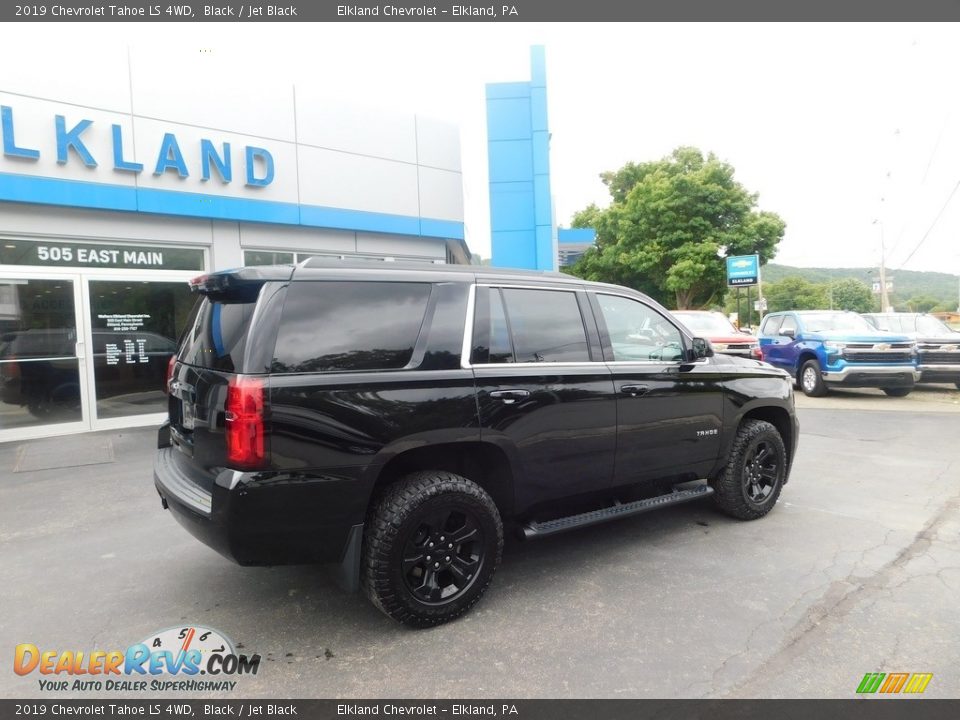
857	570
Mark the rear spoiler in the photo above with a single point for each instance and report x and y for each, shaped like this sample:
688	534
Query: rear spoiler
239	284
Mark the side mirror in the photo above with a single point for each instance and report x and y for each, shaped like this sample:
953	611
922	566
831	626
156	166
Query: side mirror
789	332
701	348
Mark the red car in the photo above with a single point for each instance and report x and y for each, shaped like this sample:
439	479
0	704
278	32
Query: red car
722	334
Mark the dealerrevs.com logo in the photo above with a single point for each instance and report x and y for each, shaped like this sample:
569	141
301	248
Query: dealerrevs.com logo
169	660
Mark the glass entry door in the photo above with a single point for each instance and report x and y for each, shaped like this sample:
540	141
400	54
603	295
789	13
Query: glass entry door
133	330
85	351
42	386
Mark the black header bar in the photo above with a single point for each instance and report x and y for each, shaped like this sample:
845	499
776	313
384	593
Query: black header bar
499	11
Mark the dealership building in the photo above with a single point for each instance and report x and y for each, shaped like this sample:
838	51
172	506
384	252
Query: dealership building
111	200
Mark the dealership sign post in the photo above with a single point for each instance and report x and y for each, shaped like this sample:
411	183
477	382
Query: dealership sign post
744	271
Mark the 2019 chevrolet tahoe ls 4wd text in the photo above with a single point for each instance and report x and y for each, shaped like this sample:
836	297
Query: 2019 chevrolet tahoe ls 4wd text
392	419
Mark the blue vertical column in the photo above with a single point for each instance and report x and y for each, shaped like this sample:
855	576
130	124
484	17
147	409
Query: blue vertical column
542	197
518	140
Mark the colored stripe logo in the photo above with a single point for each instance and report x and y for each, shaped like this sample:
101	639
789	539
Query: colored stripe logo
893	683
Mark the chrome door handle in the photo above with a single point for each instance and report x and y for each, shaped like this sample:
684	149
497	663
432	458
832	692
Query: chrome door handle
633	390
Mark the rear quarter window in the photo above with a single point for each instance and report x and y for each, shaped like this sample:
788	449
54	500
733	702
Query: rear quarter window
349	326
216	335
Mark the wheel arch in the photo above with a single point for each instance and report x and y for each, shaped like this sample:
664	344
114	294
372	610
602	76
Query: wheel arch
781	419
484	463
805	355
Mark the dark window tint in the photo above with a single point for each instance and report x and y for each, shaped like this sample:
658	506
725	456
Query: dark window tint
217	336
500	349
330	326
546	326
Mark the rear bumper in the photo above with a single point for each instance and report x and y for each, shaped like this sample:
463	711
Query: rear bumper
873	376
190	503
262	518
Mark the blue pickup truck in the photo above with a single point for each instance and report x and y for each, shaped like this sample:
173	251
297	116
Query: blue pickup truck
822	348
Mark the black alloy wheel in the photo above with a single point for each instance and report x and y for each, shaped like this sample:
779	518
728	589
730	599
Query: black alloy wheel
761	471
443	556
749	485
432	543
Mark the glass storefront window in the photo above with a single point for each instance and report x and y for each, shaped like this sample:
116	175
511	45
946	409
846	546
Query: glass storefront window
39	370
266	257
271	257
135	326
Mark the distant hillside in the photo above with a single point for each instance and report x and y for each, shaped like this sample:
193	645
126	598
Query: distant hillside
906	283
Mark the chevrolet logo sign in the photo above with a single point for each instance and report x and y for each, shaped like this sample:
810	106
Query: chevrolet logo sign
882	347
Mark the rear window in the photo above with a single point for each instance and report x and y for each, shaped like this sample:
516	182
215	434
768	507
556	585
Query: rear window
349	326
216	335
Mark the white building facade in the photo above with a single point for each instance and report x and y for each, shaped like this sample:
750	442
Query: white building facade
108	205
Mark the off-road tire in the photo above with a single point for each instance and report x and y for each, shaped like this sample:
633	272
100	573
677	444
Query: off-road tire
817	387
898	392
397	517
732	485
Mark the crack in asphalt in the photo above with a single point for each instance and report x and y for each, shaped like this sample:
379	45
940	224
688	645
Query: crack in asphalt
837	601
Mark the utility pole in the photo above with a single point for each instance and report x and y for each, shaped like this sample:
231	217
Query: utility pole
884	300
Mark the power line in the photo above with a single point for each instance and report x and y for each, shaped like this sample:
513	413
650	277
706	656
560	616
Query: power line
923	181
932	225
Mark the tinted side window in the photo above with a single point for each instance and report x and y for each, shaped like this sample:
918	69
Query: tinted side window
638	332
501	351
771	326
546	326
346	326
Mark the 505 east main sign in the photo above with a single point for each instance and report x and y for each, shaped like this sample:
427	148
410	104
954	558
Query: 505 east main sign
215	159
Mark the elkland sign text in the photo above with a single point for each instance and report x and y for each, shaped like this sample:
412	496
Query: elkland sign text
215	159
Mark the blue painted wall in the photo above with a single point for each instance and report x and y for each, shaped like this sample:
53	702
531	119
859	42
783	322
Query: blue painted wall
576	235
518	142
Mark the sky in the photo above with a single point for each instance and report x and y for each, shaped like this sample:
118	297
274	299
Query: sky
850	132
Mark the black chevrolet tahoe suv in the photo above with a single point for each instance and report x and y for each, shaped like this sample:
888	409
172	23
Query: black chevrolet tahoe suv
391	419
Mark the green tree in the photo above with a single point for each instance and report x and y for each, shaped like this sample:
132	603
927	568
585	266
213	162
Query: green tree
921	303
851	294
666	223
793	293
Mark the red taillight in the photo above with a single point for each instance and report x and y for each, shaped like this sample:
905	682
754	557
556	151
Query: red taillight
170	364
757	353
246	444
10	370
